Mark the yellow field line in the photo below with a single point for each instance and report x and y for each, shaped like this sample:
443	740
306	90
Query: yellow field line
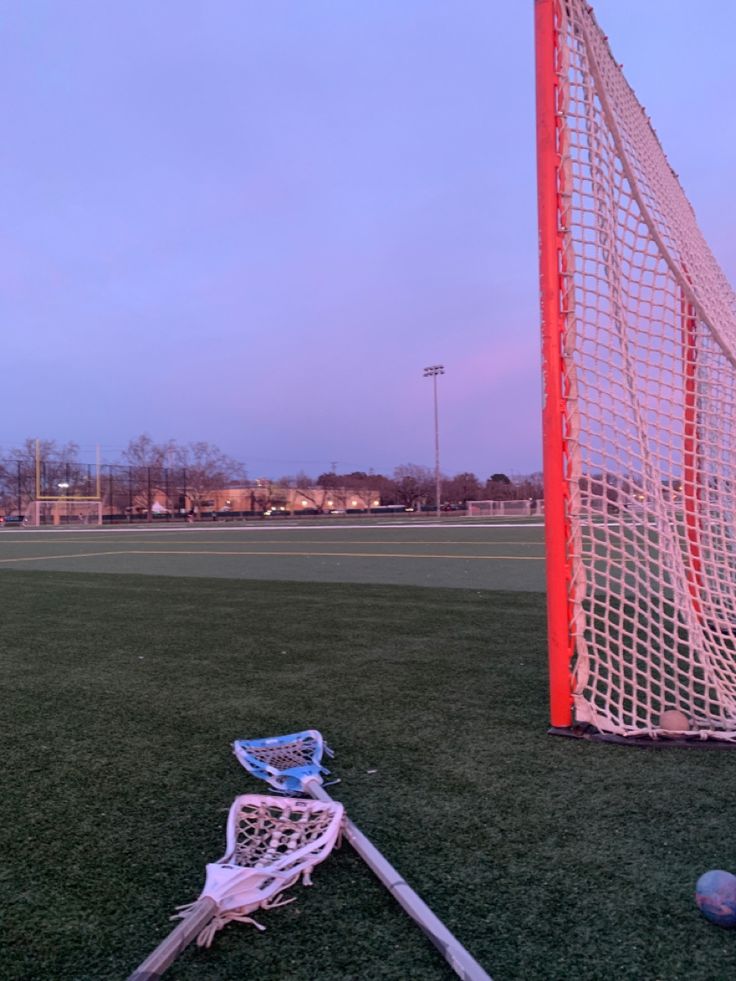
353	555
313	555
345	555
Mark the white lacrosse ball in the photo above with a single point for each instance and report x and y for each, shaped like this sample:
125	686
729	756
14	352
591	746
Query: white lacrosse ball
673	720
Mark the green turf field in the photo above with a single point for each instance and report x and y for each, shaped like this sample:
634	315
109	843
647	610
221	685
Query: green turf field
549	858
473	556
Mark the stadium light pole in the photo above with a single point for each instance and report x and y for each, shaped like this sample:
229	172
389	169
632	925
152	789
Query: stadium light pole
431	372
64	487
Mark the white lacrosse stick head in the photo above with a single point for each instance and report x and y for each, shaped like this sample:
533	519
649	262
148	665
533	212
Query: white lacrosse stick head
271	842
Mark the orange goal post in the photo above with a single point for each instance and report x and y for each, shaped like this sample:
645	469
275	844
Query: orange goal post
639	412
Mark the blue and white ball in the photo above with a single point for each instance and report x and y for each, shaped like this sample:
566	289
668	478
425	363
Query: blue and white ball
715	894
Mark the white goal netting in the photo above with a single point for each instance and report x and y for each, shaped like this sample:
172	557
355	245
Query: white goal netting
649	354
70	512
500	509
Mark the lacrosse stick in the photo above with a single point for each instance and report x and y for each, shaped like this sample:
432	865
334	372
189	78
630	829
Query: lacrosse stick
294	763
271	842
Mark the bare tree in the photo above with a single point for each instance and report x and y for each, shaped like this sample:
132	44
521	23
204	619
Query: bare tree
316	496
143	452
413	484
190	471
268	495
304	488
148	465
59	473
207	469
531	486
461	488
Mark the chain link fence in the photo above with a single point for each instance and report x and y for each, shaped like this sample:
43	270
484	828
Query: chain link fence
126	493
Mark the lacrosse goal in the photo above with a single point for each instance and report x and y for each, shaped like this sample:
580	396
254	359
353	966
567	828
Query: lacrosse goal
64	511
501	509
639	413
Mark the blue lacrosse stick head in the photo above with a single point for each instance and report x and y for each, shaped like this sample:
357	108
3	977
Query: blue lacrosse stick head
284	762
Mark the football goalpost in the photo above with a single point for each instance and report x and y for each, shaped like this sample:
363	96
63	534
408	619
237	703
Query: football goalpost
65	494
639	412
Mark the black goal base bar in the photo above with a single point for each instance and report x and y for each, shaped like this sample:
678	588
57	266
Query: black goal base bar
591	734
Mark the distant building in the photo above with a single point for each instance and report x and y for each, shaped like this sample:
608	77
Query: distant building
265	496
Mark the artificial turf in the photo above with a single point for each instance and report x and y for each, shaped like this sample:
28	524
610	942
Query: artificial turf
549	859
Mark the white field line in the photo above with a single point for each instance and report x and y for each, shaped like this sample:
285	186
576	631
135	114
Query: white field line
346	541
278	554
213	528
73	555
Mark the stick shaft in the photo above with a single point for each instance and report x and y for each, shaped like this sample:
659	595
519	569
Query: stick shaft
462	963
169	949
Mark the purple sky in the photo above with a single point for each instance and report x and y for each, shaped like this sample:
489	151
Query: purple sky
255	223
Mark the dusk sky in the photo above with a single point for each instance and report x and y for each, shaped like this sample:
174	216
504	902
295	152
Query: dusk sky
254	223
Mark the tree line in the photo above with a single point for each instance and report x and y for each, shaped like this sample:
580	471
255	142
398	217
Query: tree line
413	485
145	472
187	474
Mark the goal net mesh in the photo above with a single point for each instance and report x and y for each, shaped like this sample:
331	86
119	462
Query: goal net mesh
649	377
64	511
487	509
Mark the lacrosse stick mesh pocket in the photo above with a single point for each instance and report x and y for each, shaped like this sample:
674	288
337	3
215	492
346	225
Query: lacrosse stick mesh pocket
285	762
272	842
